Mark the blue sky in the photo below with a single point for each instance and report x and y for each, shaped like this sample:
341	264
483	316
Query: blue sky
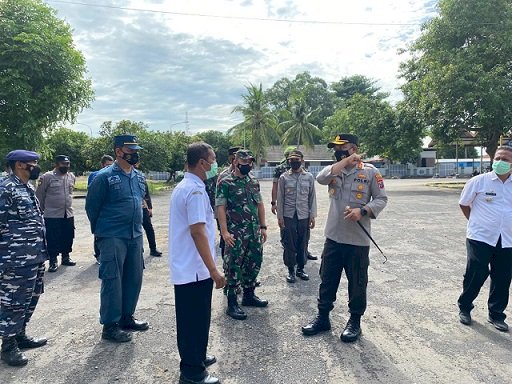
156	60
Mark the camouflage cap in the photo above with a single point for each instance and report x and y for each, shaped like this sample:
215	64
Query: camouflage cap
244	154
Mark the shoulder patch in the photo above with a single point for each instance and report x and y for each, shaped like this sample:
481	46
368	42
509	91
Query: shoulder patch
380	180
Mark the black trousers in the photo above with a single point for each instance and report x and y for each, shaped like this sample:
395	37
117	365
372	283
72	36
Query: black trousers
60	233
193	303
355	260
148	228
479	257
295	242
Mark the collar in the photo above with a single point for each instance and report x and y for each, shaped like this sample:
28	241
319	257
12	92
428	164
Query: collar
494	176
196	179
302	171
117	168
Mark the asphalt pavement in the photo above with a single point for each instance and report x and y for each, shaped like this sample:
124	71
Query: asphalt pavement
411	332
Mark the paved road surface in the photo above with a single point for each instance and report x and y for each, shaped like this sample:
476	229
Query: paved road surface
411	332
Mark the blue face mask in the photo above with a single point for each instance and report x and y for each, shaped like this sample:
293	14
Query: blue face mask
501	167
213	171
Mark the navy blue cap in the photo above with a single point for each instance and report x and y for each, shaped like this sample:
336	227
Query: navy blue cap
22	155
126	140
61	158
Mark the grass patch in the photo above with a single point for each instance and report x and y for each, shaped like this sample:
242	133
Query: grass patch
458	186
154	186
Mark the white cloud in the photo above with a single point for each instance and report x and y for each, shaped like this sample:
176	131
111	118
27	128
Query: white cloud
156	66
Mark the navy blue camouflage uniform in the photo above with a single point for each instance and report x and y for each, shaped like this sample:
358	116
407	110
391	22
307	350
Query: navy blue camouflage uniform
22	255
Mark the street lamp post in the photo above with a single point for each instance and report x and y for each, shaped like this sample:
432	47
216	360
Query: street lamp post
87	125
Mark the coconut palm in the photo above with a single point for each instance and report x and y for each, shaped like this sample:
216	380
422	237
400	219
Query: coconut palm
297	128
259	125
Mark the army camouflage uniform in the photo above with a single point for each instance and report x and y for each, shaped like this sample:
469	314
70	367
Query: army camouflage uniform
242	263
22	255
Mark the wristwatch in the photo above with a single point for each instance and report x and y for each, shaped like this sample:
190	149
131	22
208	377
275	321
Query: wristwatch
263	227
364	212
273	203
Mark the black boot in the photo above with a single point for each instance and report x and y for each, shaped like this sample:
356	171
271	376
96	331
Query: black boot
114	333
53	264
291	275
25	342
301	274
11	354
321	323
352	330
67	261
251	300
234	310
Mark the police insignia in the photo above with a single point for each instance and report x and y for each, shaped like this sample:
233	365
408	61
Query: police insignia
360	187
359	195
380	180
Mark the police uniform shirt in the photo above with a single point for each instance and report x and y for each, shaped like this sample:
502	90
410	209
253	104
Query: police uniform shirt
189	205
296	193
55	194
490	200
360	186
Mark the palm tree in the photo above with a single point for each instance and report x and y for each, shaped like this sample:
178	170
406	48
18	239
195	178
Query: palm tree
297	128
259	125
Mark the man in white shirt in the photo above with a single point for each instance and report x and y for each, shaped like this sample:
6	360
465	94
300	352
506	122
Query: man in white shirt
486	201
192	264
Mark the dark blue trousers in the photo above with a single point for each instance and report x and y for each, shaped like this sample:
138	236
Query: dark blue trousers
120	272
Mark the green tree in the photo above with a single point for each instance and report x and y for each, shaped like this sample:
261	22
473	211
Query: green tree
41	74
314	90
460	73
64	141
382	130
220	142
349	86
297	128
259	125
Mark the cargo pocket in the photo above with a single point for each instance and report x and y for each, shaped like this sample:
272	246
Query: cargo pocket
108	264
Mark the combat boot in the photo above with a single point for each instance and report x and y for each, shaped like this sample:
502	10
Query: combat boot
234	310
67	261
352	330
53	264
114	333
25	342
11	354
291	275
321	323
251	300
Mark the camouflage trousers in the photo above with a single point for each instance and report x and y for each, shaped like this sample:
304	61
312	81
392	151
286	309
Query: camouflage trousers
20	288
242	263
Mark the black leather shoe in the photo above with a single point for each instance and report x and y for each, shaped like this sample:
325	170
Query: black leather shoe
291	278
156	253
67	261
53	267
114	333
251	300
210	359
11	354
321	323
352	330
311	257
257	284
131	324
25	342
465	317
500	325
302	275
208	379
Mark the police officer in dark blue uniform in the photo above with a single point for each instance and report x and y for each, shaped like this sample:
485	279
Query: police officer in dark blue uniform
22	256
114	208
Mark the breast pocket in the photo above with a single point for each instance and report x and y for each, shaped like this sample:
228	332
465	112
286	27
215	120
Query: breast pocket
253	191
359	193
55	184
304	187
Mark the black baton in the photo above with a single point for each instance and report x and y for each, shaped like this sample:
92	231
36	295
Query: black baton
373	241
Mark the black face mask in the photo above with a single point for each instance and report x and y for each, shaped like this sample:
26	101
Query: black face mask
244	168
131	158
295	165
63	169
34	170
341	155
